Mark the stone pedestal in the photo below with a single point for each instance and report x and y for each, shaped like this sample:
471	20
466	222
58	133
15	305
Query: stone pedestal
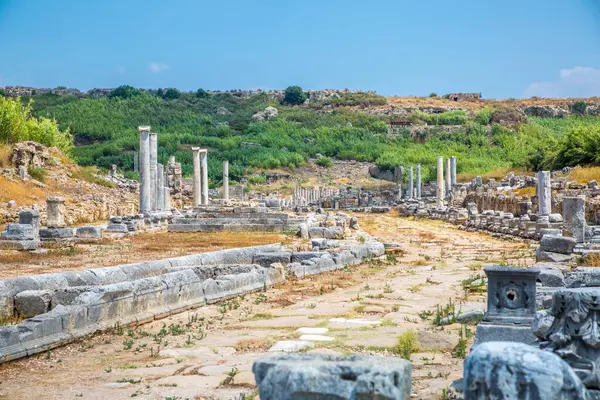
55	207
510	306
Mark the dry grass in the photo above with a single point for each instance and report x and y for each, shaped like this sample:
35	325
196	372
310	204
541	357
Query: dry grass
22	192
5	153
495	174
585	174
526	191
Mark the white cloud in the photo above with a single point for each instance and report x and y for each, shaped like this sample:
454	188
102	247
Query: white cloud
120	69
573	82
157	67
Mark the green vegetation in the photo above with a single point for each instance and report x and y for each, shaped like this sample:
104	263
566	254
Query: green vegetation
105	132
407	344
294	95
17	125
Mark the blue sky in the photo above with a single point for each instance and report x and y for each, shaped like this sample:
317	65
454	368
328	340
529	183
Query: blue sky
507	48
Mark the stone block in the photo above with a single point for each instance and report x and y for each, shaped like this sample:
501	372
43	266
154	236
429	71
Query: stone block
18	232
56	233
286	376
548	256
504	370
32	302
266	259
327	233
497	332
551	277
19	244
89	232
300	256
117	228
319	244
557	244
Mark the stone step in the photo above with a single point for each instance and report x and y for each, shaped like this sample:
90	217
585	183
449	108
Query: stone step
227	221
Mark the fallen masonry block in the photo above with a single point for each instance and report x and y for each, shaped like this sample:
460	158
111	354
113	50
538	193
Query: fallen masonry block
300	256
30	303
327	233
117	228
516	371
56	233
18	232
19	244
557	244
266	259
286	376
89	232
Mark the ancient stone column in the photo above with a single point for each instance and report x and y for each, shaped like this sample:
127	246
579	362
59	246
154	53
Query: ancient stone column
168	204
160	187
204	169
55	208
418	181
144	165
196	176
574	217
136	161
544	193
448	176
453	173
153	171
410	182
225	180
440	182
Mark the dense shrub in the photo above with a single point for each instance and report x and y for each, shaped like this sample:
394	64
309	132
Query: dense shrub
294	95
172	94
17	125
325	162
202	94
579	107
483	117
125	92
455	117
37	173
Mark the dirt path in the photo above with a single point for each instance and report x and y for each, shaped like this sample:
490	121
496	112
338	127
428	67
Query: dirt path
382	308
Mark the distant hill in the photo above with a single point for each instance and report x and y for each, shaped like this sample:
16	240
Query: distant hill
485	135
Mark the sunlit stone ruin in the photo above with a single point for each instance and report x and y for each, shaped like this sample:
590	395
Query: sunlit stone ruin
535	327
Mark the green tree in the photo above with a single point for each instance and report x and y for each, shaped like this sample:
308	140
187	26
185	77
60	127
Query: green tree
125	92
433	95
202	94
17	125
294	95
579	107
172	94
2	92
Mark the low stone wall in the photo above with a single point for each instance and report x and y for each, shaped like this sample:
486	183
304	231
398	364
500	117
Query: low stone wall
66	306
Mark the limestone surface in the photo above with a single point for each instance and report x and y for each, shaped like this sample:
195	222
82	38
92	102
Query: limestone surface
320	376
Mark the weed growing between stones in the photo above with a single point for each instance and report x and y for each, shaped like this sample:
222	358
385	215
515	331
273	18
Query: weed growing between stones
230	377
407	344
448	311
465	334
474	284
